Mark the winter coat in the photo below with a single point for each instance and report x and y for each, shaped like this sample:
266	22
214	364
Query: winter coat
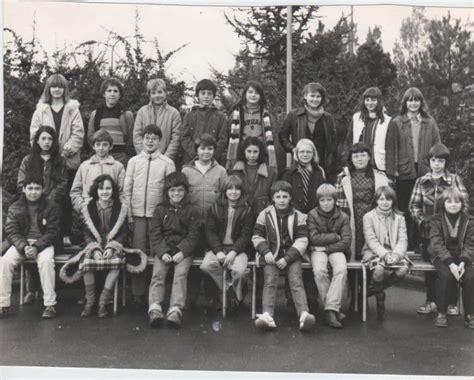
88	172
204	120
399	153
145	182
345	199
266	235
174	229
242	225
204	188
375	230
52	191
292	176
333	232
258	192
425	197
71	133
295	128
17	224
439	234
169	121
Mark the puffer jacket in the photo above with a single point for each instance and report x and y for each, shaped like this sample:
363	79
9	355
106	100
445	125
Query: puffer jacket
17	224
242	225
399	153
71	134
439	234
145	182
258	193
204	188
331	232
88	172
174	229
204	120
169	121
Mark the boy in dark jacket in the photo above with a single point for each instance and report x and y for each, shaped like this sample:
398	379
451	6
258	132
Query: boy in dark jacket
204	118
32	229
173	238
330	241
280	238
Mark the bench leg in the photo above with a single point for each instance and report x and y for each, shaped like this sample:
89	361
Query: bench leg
364	294
356	292
460	303
224	292
124	275
22	283
254	289
115	297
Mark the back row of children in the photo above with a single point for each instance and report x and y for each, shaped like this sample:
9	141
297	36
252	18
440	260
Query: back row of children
354	190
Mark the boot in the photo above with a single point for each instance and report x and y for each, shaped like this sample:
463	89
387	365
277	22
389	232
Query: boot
90	301
104	299
332	320
379	299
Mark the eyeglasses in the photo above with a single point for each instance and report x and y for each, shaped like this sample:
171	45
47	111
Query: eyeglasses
152	139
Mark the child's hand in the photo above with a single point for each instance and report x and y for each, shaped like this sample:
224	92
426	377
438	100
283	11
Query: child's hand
97	254
320	249
229	259
281	264
220	256
390	259
166	258
461	269
107	253
178	257
269	259
30	252
455	271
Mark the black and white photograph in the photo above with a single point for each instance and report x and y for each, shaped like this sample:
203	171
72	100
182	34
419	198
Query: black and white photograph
237	189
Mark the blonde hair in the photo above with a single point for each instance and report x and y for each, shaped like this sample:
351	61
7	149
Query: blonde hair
155	84
311	145
55	80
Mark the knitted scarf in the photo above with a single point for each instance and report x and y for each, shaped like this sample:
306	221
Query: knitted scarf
314	115
236	133
305	174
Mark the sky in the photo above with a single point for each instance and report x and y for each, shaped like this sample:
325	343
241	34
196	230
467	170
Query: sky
212	41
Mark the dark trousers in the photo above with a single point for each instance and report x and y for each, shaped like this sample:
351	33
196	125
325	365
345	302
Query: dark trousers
66	207
446	285
404	189
430	277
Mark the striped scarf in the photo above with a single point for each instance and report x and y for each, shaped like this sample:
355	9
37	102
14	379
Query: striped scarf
235	136
305	174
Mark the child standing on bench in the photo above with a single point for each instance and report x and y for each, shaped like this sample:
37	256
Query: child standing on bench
280	238
386	244
452	250
32	228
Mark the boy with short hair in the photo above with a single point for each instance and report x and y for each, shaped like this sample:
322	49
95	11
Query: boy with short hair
423	207
280	239
158	112
204	118
144	188
32	228
112	118
102	162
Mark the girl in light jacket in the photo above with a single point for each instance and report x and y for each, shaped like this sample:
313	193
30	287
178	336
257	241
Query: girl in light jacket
55	109
385	246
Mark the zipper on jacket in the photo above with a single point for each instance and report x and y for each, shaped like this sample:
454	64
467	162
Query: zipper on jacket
146	186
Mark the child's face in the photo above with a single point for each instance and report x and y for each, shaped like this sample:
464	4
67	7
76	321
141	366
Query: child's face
176	194
205	97
313	99
360	160
370	103
102	148
111	96
105	191
305	154
452	206
158	96
413	105
281	200
45	141
437	165
150	142
251	154
252	97
233	194
33	191
384	203
326	203
56	92
205	153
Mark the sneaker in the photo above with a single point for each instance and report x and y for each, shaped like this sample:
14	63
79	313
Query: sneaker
331	319
427	308
4	311
67	241
29	298
469	321
156	317
174	318
441	320
307	321
265	322
452	310
49	312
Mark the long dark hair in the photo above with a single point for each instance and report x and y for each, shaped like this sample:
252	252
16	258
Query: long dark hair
36	164
253	140
372	92
360	148
414	93
259	88
98	182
